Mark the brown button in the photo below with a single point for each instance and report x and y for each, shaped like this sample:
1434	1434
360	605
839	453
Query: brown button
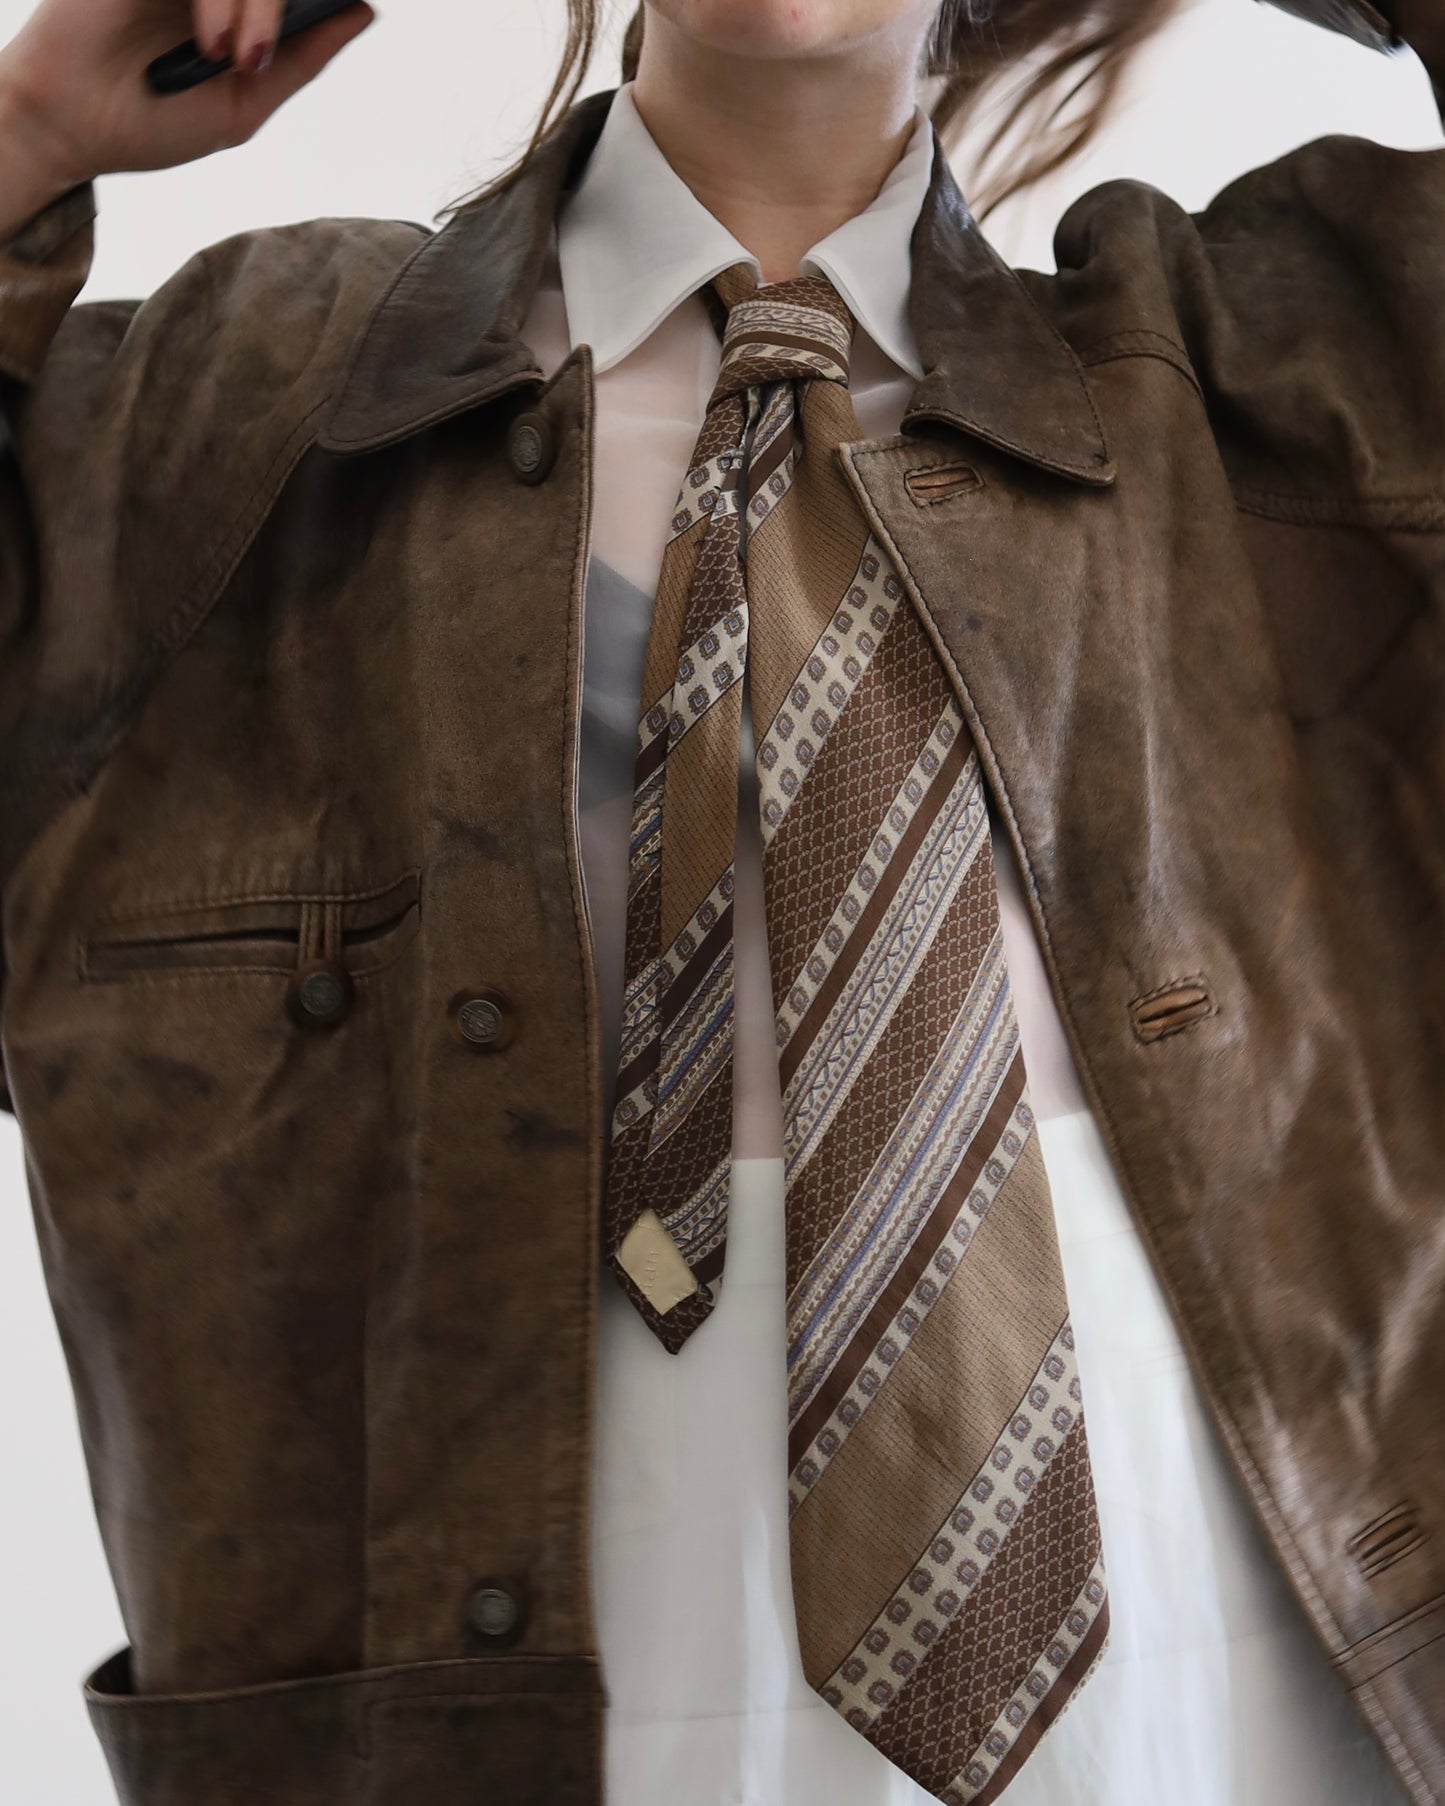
484	1019
532	446
496	1614
320	993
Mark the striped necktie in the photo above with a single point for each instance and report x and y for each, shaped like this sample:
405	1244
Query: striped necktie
947	1571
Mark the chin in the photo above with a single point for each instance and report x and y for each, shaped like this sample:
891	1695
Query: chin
784	28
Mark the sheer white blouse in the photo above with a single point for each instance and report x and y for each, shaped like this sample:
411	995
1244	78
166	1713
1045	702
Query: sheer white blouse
1213	1691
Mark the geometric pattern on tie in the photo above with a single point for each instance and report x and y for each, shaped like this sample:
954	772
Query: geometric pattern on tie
947	1568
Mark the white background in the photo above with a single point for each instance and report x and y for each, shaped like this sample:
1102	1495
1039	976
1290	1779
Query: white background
430	100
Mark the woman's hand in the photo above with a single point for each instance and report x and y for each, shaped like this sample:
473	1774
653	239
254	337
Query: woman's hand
74	102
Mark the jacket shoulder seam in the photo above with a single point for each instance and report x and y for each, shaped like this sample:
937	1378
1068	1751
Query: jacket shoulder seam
1390	513
1141	342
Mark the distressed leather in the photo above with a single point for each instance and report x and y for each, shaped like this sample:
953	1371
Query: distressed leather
285	640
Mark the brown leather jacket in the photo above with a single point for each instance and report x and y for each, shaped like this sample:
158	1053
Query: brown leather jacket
289	669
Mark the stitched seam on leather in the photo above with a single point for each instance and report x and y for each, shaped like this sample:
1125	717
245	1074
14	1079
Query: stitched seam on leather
1384	1728
406	425
1063	343
188	974
582	1425
1259	1494
1403	513
1405	1656
347	1680
1132	340
1028	452
362	354
224	899
1164	350
123	1724
184	619
1415	1614
395	287
1157	357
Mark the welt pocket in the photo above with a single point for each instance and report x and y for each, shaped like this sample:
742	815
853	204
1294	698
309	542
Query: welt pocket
275	933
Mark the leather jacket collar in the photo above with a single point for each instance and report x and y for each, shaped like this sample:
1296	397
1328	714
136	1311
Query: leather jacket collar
446	335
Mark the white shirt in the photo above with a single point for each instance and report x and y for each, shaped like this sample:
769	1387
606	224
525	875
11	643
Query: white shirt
1213	1691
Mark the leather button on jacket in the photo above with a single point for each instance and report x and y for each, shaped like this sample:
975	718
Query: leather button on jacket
320	993
1176	515
485	1020
532	446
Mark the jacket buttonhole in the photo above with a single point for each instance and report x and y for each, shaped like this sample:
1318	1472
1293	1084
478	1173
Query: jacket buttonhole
1386	1539
931	483
1171	1007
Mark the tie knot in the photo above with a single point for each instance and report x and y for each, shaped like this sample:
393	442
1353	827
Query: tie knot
795	329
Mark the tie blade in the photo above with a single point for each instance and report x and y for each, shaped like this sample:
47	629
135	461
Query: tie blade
946	1557
668	1294
986	1634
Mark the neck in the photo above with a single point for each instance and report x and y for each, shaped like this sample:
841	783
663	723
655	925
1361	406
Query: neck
781	150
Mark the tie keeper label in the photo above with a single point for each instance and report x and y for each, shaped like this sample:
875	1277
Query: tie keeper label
649	1256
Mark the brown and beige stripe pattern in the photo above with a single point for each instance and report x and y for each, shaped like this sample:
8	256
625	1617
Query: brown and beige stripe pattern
946	1562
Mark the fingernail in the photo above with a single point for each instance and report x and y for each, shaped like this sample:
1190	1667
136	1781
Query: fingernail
259	58
220	45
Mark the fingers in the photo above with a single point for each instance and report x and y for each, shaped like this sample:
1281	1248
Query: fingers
297	60
211	26
244	30
256	25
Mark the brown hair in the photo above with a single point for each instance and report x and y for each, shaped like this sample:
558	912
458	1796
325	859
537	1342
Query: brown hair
1082	48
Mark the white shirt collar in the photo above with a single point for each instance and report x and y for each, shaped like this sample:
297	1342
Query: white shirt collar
633	241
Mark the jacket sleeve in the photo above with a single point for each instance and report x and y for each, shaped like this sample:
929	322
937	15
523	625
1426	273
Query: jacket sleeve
42	269
45	671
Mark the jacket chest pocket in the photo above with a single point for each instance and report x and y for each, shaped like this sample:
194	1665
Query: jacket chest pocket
321	943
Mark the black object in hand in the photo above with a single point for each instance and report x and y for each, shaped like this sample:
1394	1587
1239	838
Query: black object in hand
186	66
1366	23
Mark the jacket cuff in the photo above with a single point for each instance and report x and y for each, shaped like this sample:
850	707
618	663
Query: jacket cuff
507	1730
42	269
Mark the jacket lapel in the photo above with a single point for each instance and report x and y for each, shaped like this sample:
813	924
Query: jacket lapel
446	335
993	365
